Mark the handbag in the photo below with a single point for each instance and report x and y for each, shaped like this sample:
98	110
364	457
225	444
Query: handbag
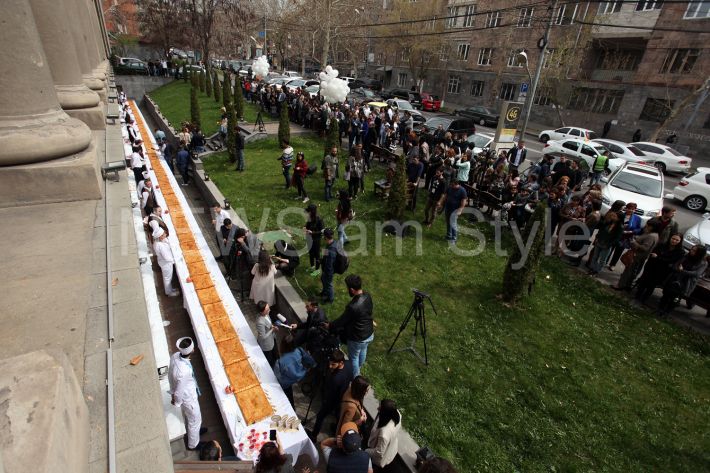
628	258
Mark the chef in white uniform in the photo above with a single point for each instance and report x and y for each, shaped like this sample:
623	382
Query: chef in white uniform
162	250
184	390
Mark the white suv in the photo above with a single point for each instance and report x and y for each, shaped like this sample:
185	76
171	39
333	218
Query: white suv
637	183
571	132
694	190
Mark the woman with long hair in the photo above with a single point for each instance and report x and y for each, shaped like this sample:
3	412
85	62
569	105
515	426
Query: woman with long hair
382	445
262	286
343	214
314	233
683	279
351	406
659	266
273	460
609	232
642	245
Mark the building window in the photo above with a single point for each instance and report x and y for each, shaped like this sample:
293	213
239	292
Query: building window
493	19
697	10
444	52
610	7
656	110
542	96
525	17
619	60
565	14
470	16
404	56
452	19
484	56
680	61
380	58
648	5
402	79
462	52
343	56
507	91
596	100
454	85
477	88
514	60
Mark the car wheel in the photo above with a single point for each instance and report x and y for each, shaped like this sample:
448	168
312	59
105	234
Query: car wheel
482	122
695	203
544	138
660	166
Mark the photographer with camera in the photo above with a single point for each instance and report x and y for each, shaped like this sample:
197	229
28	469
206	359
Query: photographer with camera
315	319
356	325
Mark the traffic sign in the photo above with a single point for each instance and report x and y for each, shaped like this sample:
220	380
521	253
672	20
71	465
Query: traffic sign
523	88
262	34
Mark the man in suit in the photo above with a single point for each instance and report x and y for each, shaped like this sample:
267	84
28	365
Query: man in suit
516	156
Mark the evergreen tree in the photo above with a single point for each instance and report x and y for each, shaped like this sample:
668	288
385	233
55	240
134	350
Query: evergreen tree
518	282
208	85
231	133
284	125
202	81
238	98
332	138
397	200
185	73
226	90
194	106
217	88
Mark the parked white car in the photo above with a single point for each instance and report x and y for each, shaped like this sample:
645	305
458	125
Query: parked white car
637	183
292	74
480	141
124	61
567	132
698	234
347	79
580	149
624	151
694	190
665	158
312	90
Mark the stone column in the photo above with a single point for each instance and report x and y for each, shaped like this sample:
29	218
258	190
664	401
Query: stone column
80	47
89	38
96	33
45	156
74	96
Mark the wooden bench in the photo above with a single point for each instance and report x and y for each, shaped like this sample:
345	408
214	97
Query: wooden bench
383	155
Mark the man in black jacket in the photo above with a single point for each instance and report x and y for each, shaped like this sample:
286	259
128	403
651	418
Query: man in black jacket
337	380
315	318
328	266
516	156
356	323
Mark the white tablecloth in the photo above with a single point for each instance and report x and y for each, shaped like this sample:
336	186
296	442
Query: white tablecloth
295	442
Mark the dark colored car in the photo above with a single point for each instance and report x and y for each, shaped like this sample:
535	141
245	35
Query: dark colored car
372	84
431	102
481	115
132	67
397	93
455	125
362	94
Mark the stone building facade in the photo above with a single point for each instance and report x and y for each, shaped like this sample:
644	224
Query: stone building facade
626	62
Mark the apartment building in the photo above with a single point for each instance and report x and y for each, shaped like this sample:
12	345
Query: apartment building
627	62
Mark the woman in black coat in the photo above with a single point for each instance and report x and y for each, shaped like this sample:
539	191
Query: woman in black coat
683	279
659	266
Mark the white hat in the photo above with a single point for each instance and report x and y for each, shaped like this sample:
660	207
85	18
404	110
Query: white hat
187	350
146	174
158	232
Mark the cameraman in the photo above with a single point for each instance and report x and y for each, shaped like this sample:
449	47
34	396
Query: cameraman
337	381
356	324
315	318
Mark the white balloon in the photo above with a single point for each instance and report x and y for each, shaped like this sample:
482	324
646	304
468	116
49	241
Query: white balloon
333	89
260	67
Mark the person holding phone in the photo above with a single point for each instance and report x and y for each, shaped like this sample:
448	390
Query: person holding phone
272	458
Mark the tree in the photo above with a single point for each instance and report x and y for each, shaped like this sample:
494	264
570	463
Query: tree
518	282
209	83
163	22
201	79
682	105
227	90
217	85
185	72
397	200
238	98
232	131
195	106
284	125
206	15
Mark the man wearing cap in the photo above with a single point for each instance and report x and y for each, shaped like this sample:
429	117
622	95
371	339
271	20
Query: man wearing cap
184	390
164	254
328	266
343	454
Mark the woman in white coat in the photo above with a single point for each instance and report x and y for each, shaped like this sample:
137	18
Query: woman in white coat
262	286
382	444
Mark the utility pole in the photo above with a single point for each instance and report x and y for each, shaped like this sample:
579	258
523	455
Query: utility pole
533	87
265	50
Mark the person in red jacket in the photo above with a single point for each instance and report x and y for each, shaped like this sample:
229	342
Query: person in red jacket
299	176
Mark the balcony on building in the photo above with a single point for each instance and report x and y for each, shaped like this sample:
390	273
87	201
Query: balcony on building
613	16
614	60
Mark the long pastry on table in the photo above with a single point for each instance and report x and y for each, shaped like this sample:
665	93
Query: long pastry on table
250	396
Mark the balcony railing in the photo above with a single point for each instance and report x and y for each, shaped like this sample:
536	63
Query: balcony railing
611	75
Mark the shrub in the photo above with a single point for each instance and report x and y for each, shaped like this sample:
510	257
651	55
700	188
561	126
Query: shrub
226	90
208	85
202	81
397	200
238	98
194	107
217	88
284	124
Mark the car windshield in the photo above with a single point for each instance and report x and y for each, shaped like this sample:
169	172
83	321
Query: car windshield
479	141
296	83
600	148
639	184
313	88
404	105
636	151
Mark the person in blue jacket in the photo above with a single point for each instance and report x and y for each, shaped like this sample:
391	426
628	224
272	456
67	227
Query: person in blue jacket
632	227
292	368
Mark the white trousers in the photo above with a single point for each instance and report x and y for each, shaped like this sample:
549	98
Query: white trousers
167	271
193	417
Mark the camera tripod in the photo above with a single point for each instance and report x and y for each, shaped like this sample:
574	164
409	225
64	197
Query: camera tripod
416	310
259	122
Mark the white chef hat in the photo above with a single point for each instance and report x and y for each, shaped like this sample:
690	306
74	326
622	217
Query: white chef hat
158	232
146	174
188	348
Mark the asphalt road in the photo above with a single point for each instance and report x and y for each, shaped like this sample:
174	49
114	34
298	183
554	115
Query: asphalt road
685	218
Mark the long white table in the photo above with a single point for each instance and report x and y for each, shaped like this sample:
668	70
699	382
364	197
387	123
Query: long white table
293	442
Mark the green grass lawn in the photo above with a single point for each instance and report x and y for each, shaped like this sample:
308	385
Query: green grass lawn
572	379
174	102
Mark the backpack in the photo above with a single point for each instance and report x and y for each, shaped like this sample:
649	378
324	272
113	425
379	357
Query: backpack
342	261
